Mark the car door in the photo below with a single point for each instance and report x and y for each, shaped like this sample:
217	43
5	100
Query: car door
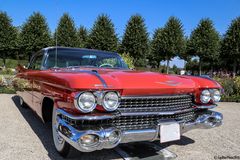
33	74
23	86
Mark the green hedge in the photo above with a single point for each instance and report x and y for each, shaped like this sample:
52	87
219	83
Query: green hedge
7	90
231	88
12	63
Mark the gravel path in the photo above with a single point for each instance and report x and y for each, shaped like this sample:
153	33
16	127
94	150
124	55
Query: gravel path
24	137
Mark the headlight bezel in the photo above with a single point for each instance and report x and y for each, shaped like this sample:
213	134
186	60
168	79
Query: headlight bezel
207	95
80	107
210	93
214	94
99	100
104	104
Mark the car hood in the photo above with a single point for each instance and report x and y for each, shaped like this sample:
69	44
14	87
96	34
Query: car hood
127	81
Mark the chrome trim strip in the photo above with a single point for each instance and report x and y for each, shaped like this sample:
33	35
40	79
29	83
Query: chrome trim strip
205	106
101	79
55	85
98	116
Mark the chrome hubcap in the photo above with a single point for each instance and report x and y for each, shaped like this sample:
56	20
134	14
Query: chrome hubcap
59	139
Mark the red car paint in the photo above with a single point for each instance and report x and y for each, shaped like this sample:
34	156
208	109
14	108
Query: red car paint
62	85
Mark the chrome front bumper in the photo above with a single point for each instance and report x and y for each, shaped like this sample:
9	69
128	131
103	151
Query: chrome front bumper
205	121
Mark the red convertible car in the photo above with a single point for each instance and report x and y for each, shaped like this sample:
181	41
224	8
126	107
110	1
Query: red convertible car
95	101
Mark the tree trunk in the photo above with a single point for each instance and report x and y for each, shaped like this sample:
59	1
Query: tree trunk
18	57
158	65
4	62
200	67
167	66
4	59
234	67
211	72
184	67
29	57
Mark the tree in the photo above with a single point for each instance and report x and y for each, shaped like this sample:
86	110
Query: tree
82	37
66	33
184	55
173	41
204	42
135	40
156	49
17	48
102	35
192	65
35	34
8	36
175	69
230	47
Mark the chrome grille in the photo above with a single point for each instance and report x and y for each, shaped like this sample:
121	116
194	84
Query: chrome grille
149	121
156	103
135	122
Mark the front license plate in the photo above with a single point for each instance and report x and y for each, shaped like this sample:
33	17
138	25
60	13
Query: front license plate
169	132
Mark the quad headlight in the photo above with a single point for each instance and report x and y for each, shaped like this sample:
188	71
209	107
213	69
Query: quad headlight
211	94
205	96
86	102
110	101
216	95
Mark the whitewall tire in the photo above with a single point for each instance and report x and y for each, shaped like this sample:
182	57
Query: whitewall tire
60	144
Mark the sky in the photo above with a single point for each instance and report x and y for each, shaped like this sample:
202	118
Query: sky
155	12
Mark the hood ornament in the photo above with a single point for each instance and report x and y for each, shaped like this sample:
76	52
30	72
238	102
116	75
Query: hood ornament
170	83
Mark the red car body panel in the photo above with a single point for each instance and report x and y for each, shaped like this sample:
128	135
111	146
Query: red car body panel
61	85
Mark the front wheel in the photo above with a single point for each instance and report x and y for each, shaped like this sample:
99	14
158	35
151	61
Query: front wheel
61	145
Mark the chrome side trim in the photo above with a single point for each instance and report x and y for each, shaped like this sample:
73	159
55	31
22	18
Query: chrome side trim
54	85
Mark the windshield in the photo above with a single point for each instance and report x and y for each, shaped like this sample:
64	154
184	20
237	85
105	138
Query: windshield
83	58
